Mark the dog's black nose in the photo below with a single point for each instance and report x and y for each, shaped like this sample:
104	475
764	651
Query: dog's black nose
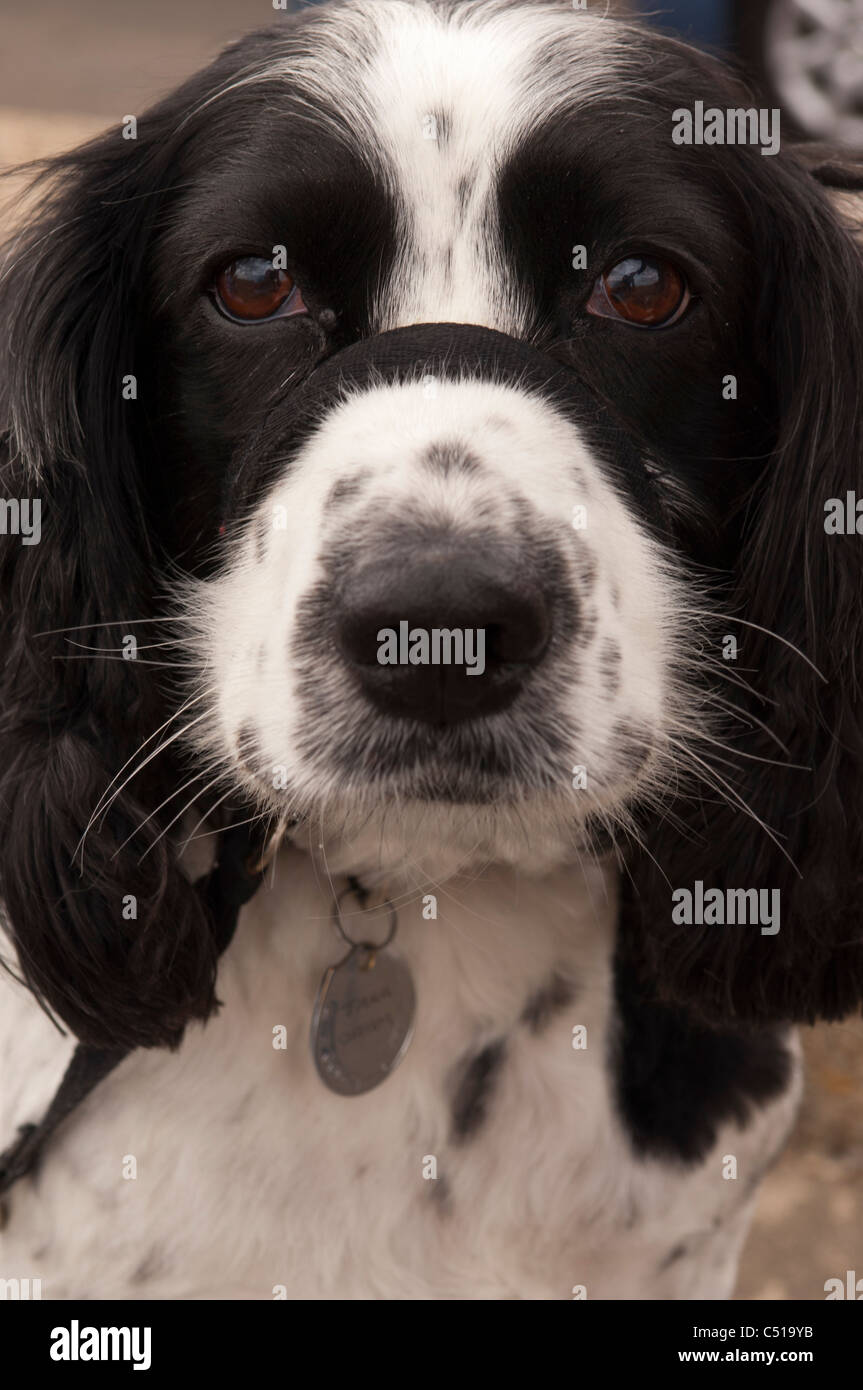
442	634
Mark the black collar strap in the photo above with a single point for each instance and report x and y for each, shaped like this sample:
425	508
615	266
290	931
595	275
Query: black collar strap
230	884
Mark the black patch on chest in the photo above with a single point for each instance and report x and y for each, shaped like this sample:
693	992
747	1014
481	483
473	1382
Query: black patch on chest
474	1090
676	1081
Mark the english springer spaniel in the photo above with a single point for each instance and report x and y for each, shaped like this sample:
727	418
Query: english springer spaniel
429	468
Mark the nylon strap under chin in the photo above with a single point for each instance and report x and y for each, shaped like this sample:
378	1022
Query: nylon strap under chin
230	884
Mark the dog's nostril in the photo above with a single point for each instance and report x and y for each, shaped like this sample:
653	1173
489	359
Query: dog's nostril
522	636
442	637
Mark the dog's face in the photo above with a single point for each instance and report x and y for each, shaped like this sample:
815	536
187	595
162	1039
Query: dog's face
481	435
357	180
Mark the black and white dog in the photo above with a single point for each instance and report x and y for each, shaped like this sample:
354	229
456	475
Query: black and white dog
444	454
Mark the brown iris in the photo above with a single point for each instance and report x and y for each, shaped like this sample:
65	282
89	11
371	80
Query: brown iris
641	290
252	288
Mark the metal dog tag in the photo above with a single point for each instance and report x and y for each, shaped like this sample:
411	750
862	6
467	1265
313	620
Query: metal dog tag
363	1020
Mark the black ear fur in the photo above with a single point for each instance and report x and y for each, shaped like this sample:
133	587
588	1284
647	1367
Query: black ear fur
75	319
793	580
71	305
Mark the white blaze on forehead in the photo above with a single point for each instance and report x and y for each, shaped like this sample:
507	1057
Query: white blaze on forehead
436	98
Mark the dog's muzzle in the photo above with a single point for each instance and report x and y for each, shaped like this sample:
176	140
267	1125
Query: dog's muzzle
421	591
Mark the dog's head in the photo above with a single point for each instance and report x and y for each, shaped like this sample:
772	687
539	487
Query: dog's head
454	440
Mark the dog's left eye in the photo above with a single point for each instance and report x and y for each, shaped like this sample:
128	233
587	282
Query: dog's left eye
641	290
252	288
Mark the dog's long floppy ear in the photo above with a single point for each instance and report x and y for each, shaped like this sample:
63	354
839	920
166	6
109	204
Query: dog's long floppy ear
113	941
796	591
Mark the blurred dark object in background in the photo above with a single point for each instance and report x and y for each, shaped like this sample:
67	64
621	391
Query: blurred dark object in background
805	56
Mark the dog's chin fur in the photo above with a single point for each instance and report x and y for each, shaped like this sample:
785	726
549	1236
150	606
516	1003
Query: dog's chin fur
426	841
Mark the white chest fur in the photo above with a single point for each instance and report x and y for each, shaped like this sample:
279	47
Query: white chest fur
252	1180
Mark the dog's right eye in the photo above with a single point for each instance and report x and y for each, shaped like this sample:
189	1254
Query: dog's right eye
643	291
252	288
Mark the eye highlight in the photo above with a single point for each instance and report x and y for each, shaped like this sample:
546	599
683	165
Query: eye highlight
251	289
641	290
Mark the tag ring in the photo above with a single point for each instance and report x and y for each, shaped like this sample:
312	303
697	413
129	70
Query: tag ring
373	946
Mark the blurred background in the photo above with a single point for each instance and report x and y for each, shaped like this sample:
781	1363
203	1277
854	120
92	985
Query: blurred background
68	69
805	56
85	57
